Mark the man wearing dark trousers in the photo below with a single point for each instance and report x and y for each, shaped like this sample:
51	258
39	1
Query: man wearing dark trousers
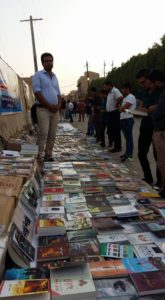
114	99
147	98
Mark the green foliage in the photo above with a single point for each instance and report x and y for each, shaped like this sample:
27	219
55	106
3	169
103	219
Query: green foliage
154	58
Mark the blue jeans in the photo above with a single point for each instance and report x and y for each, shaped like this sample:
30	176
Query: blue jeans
126	127
90	129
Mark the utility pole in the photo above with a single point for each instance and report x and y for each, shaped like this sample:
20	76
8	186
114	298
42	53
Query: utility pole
104	68
33	40
87	74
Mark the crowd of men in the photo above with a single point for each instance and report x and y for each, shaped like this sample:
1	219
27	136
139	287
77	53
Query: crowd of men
107	111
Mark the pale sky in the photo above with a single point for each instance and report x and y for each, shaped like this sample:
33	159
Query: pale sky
76	31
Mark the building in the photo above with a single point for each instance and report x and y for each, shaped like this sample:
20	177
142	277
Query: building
84	82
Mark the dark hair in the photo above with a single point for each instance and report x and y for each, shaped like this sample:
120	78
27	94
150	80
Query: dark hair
108	82
126	85
142	73
155	75
44	55
93	89
103	92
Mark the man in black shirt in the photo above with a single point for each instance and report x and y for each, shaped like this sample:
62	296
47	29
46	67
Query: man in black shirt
157	82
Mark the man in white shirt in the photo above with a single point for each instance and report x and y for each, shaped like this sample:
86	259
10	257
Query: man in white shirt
112	107
70	108
127	121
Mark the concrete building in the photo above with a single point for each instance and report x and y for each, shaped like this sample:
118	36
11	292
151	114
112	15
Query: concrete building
84	82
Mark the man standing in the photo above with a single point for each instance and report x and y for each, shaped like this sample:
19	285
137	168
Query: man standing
157	81
46	90
113	101
127	121
147	98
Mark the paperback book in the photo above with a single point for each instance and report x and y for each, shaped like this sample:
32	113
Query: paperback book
117	250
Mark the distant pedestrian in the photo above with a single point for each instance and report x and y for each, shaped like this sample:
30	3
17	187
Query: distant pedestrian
81	110
70	110
63	109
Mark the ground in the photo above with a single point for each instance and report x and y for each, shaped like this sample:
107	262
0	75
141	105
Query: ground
134	165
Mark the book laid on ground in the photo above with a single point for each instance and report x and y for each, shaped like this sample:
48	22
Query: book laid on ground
118	288
51	226
141	238
149	250
58	251
78	224
72	283
143	264
113	238
15	288
25	274
105	269
79	235
52	240
149	283
117	250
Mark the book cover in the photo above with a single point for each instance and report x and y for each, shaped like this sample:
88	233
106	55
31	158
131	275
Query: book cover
149	283
78	224
106	224
75	207
81	234
104	269
85	247
53	252
141	238
52	209
112	238
55	197
117	250
52	240
78	215
141	264
74	282
149	250
119	287
20	242
23	287
24	274
51	190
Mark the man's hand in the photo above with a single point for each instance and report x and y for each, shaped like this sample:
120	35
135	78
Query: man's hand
54	108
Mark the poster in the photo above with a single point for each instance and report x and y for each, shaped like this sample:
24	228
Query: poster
10	101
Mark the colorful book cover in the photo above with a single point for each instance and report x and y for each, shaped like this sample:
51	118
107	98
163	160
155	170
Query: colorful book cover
23	287
141	238
149	250
51	190
149	283
78	224
138	265
22	274
117	250
103	269
53	252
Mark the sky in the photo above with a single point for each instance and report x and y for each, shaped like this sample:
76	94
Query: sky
76	31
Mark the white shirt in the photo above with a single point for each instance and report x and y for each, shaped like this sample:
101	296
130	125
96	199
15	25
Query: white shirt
70	106
113	95
128	99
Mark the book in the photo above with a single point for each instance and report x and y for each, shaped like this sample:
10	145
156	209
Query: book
125	211
141	238
115	288
51	226
52	209
23	287
149	283
84	248
143	264
112	238
72	283
18	241
78	215
104	269
105	224
79	235
58	251
149	250
52	240
55	197
77	224
75	207
117	250
26	274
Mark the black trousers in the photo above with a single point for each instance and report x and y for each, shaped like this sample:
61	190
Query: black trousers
114	132
144	143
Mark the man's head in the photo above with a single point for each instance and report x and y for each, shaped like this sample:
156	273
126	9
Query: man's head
93	92
47	61
126	88
103	94
156	79
142	80
108	85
